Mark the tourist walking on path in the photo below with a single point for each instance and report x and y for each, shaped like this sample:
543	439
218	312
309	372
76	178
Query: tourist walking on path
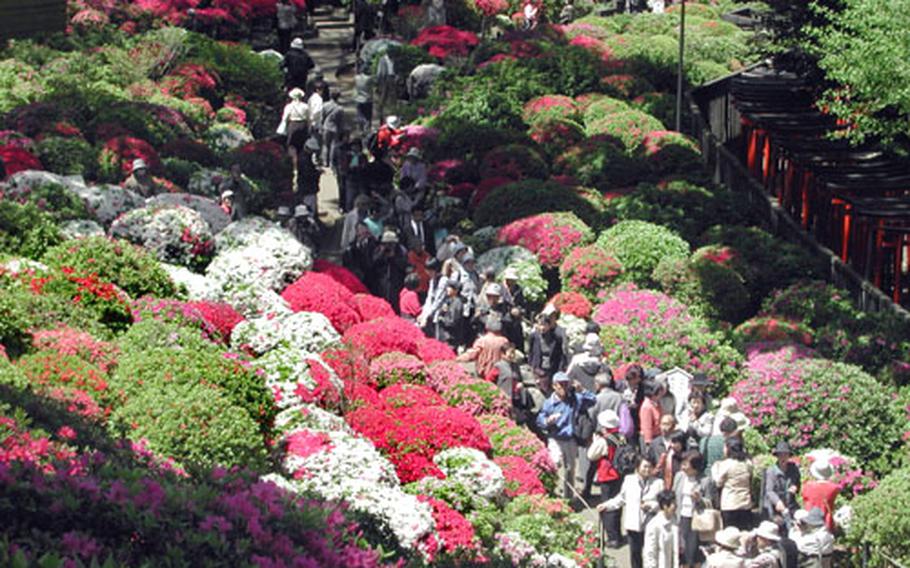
297	65
733	477
295	126
286	20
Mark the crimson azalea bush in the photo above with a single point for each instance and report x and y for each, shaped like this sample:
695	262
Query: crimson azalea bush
18	159
772	330
340	274
432	350
405	394
589	270
816	403
521	478
639	246
514	161
555	135
316	292
384	335
445	41
548	235
458	542
115	161
654	330
221	317
572	303
371	307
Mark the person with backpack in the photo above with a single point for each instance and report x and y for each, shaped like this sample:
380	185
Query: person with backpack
297	65
637	498
602	454
559	420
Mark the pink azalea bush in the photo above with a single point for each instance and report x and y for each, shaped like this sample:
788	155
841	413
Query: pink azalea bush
393	368
521	477
384	335
548	235
445	41
550	106
813	403
589	270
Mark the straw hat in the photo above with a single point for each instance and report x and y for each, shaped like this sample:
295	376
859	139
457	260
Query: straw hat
297	94
389	237
821	470
768	530
493	290
728	537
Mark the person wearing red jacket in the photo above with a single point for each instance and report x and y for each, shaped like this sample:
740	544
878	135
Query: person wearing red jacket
601	453
822	492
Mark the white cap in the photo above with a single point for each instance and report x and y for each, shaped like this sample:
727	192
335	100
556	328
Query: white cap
608	419
139	164
301	211
297	43
392	121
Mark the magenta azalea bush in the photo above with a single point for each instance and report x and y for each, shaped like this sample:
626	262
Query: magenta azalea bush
445	41
654	330
548	235
550	106
812	403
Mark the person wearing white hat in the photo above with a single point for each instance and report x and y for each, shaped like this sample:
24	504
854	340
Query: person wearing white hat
762	546
415	168
294	125
588	363
297	65
813	539
821	492
140	179
600	454
728	540
390	265
388	136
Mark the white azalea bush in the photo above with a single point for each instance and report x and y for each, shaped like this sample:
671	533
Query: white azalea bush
173	233
81	229
295	377
195	286
223	138
308	333
311	417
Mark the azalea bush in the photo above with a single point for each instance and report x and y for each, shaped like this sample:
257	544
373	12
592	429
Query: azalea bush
548	107
174	234
868	525
530	197
548	235
655	330
629	127
514	161
572	303
639	246
589	270
25	230
315	292
446	41
118	262
811	402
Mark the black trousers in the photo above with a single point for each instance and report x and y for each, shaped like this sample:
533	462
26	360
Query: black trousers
610	519
636	546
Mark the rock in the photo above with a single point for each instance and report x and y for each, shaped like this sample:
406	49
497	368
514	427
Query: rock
213	214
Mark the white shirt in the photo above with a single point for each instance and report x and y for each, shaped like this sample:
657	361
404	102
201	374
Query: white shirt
661	546
632	495
296	111
315	102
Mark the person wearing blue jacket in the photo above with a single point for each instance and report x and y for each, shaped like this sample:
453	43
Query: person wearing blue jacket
557	420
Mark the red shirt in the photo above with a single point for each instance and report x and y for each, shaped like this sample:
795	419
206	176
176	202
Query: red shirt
821	494
649	419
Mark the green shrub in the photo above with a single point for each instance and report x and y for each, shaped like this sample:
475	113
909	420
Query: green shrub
599	162
602	106
881	518
639	246
568	69
196	425
242	71
715	288
152	368
769	262
57	202
25	230
533	284
629	127
157	124
14	324
683	207
67	156
114	261
180	171
511	202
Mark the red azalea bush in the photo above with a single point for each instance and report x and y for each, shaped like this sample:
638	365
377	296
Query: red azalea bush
191	150
18	159
222	317
265	160
490	8
189	80
315	292
432	350
521	477
78	402
384	335
589	270
404	394
515	161
118	153
443	41
358	395
547	235
572	303
486	186
341	275
455	532
548	107
462	190
73	342
816	403
371	307
351	366
393	368
556	135
769	329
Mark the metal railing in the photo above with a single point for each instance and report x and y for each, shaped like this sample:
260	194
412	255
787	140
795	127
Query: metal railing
715	124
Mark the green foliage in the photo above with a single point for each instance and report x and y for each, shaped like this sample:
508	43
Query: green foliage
25	230
67	156
714	288
599	162
204	365
114	261
156	124
628	127
510	202
20	84
405	58
639	246
242	71
568	69
863	53
58	203
881	518
14	324
195	424
180	171
533	284
683	207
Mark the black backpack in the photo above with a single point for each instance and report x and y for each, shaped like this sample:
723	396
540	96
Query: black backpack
626	458
298	64
582	424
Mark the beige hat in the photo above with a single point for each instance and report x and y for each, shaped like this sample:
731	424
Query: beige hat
821	470
139	164
510	274
389	237
593	345
768	531
608	419
728	537
296	94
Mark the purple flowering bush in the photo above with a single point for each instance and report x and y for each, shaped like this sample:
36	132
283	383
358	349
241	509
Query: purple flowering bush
811	403
655	330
